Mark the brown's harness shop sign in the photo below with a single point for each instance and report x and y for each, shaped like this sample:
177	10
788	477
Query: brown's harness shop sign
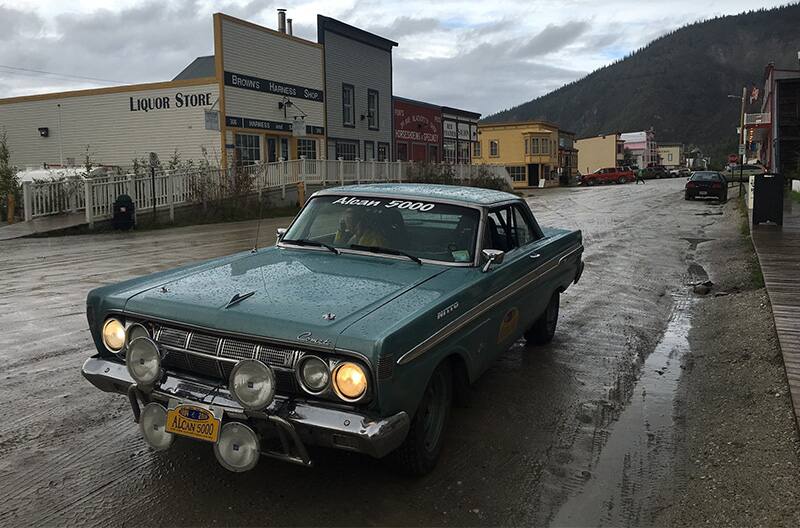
257	84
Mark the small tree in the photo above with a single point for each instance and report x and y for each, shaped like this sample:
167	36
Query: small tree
9	182
629	159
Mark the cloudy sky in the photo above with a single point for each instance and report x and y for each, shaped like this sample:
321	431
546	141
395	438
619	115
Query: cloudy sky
479	55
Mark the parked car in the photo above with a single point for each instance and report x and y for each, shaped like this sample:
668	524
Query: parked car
655	172
743	172
609	175
377	306
707	184
680	172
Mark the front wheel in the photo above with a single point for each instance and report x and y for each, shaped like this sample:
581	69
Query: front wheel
420	450
622	180
543	330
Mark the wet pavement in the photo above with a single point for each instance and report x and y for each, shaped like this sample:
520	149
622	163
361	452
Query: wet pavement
577	432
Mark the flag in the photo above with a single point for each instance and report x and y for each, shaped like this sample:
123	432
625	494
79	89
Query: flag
754	95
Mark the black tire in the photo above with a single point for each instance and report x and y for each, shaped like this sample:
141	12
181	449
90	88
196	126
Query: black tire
419	452
590	182
622	180
543	330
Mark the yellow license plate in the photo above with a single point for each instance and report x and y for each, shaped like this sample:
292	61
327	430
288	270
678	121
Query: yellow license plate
194	422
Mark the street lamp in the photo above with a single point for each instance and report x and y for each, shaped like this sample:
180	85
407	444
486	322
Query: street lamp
742	150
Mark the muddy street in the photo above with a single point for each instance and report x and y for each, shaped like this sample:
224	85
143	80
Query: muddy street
578	432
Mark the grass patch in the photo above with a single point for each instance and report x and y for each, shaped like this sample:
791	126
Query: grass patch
754	267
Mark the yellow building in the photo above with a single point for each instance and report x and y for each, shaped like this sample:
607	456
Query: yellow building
533	152
671	155
599	152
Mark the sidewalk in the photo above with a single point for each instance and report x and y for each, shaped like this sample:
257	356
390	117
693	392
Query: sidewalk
42	224
778	249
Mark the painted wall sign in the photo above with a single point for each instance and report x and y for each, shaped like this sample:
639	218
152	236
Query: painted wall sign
463	131
416	122
165	102
263	124
449	129
257	84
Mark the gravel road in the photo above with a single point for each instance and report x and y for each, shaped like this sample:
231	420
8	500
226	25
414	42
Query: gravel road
580	432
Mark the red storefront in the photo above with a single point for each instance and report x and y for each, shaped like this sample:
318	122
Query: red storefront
417	130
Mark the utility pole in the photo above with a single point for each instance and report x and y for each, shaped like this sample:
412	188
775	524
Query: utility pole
60	139
742	149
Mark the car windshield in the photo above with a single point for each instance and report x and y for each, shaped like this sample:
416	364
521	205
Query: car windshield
418	228
705	176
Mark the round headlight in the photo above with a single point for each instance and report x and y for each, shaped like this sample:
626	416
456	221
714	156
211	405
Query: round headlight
252	384
349	381
135	330
113	335
314	374
144	361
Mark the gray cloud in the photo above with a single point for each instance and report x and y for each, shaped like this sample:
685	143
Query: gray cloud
405	26
553	38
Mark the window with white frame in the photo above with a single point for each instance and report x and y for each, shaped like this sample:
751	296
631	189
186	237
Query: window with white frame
307	148
346	150
373	110
248	149
517	173
449	150
494	147
534	145
348	105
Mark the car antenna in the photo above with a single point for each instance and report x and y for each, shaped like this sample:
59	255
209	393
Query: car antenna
258	226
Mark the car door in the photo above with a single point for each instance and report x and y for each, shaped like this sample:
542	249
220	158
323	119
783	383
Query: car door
514	300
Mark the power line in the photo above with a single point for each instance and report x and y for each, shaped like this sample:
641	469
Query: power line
65	75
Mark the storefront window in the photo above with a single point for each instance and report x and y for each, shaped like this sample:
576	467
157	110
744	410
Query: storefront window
346	150
449	150
402	151
307	148
285	148
383	151
433	153
369	150
463	152
517	173
248	149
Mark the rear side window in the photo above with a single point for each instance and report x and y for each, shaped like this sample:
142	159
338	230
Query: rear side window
509	227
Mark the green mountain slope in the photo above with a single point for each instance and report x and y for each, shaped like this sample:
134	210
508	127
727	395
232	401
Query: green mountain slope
678	84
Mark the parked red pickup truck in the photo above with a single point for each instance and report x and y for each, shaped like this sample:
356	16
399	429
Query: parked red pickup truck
609	175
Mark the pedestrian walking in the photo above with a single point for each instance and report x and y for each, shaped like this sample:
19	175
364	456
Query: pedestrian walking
640	176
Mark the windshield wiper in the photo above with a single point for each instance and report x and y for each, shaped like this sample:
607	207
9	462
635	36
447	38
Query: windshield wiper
388	251
313	243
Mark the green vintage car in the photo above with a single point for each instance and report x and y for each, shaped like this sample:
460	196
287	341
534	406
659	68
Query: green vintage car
375	309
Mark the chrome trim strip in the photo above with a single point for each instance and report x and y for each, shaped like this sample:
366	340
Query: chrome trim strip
489	303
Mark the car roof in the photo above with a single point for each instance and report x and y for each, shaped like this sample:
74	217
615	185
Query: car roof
429	191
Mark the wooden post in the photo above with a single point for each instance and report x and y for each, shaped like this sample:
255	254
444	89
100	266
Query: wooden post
87	189
301	193
27	200
171	195
341	171
399	171
131	185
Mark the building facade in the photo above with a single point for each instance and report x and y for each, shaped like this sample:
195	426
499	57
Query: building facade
358	79
271	82
417	131
567	158
671	155
599	152
529	151
459	134
773	135
642	146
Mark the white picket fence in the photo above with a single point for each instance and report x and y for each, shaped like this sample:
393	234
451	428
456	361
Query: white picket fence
168	189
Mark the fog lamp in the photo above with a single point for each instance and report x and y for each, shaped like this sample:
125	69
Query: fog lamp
135	330
153	422
349	381
314	374
238	447
113	335
252	384
144	361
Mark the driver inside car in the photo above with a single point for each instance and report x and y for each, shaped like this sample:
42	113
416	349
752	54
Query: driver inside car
356	226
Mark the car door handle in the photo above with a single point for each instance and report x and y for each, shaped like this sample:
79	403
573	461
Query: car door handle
534	255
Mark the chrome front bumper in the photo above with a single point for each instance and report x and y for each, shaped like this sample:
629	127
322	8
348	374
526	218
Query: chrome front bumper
304	422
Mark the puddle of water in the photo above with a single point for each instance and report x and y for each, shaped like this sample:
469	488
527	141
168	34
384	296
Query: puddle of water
623	481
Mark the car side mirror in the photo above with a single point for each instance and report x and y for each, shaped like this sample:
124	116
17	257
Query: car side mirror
492	256
279	233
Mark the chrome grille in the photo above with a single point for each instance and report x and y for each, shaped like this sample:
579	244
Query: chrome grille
213	356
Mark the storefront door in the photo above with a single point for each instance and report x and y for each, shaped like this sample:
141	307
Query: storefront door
533	175
272	149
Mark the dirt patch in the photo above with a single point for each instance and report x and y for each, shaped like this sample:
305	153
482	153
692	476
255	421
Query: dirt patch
737	442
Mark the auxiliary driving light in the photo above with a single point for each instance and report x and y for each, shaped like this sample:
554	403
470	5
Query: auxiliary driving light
144	361
238	447
135	330
314	374
113	335
252	384
153	422
349	381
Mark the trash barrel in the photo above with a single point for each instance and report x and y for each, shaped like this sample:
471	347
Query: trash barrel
124	209
768	198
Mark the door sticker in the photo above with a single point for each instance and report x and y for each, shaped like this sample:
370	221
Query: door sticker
508	324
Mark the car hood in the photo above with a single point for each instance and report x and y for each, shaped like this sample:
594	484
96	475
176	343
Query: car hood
294	294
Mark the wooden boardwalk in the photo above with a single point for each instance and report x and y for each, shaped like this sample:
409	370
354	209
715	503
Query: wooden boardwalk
778	249
43	224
